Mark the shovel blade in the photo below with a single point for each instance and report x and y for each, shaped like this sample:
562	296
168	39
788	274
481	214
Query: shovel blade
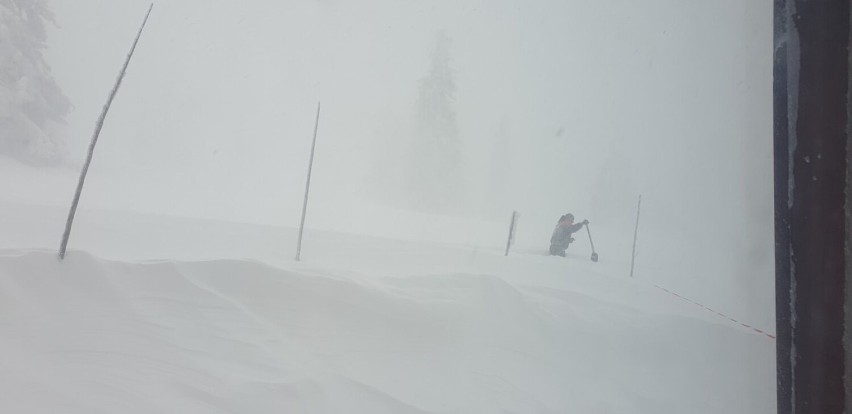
594	257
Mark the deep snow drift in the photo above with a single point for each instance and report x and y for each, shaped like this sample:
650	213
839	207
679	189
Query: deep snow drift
164	314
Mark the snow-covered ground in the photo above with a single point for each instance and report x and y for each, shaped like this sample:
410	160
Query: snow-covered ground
155	313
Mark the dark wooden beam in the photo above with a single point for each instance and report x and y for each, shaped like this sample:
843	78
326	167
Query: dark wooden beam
811	104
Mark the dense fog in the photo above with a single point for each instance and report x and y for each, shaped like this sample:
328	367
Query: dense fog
438	120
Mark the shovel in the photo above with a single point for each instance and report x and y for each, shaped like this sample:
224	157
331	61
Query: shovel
594	255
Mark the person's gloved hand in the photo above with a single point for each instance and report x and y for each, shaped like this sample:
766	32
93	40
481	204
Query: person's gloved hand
585	222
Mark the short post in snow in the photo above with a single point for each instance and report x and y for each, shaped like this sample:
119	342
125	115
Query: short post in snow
513	226
73	211
307	188
635	235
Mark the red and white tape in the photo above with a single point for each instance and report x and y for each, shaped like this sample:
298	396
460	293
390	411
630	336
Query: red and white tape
745	325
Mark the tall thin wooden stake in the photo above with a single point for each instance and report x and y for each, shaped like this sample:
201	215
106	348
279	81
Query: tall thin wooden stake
67	234
307	187
512	226
635	235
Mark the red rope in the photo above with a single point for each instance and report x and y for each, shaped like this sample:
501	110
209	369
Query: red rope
747	326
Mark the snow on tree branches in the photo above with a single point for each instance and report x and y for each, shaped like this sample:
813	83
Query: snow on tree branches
32	106
436	161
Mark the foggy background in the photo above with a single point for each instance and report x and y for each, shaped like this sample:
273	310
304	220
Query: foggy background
545	107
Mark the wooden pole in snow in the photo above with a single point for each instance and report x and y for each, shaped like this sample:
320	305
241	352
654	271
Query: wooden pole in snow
635	235
67	234
307	187
512	226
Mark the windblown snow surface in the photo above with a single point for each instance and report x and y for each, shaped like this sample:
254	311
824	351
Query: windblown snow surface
153	314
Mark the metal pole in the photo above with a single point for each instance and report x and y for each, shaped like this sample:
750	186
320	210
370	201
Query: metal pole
307	187
635	236
73	211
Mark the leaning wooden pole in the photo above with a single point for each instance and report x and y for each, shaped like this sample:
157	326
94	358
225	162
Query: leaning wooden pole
513	225
635	236
67	234
307	187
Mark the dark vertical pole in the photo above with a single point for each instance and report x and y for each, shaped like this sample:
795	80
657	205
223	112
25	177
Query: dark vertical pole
307	187
811	135
781	127
73	211
512	225
635	236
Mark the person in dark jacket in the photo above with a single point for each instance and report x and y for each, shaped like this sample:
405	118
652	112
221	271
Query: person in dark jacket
561	237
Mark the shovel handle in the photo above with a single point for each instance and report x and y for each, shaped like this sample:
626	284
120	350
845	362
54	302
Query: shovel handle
590	237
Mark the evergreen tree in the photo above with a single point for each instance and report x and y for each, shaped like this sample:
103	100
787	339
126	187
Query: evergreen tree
436	156
32	106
